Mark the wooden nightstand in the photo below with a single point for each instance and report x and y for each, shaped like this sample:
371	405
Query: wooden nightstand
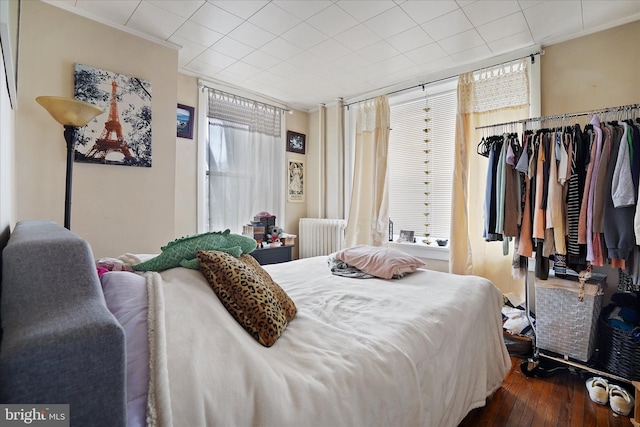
273	255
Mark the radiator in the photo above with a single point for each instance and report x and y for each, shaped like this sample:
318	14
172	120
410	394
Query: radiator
320	236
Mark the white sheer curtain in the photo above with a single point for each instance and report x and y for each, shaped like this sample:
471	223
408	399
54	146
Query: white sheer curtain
245	161
368	220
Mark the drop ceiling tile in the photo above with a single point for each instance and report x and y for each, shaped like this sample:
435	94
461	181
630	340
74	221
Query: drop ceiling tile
118	11
329	50
482	12
364	10
472	55
378	52
268	79
351	62
303	9
203	68
216	19
281	49
188	49
183	8
598	11
301	63
461	42
503	27
303	35
526	4
251	35
463	3
424	11
437	66
274	19
332	20
240	70
232	48
393	65
410	39
390	22
198	34
511	43
426	54
447	25
154	21
259	59
357	37
217	59
244	9
553	19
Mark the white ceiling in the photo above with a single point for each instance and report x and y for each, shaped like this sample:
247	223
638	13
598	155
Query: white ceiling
307	52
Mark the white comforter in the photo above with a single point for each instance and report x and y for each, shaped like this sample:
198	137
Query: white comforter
420	351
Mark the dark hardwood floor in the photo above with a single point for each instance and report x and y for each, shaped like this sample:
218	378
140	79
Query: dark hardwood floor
561	400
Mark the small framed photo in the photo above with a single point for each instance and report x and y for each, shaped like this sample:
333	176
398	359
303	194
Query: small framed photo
296	142
185	121
406	236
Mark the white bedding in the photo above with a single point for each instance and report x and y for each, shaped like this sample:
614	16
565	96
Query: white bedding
420	351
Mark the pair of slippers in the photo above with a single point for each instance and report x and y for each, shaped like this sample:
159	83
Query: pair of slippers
601	392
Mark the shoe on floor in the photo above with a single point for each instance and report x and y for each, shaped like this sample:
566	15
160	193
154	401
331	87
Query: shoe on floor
598	390
620	400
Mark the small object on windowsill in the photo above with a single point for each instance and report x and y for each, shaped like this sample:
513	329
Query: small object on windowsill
442	242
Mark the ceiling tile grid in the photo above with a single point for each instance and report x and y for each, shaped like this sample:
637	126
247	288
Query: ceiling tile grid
306	53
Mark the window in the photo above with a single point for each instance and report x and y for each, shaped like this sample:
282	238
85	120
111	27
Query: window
408	203
243	162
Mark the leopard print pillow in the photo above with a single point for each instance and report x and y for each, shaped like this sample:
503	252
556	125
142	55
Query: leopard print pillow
244	295
285	301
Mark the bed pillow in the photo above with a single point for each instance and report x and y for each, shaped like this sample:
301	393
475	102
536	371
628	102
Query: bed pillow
288	306
386	263
245	296
126	296
182	252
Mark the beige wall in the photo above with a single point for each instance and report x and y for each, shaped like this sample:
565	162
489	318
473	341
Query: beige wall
186	163
596	71
298	122
115	208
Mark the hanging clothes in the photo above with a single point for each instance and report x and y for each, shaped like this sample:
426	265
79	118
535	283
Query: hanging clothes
568	194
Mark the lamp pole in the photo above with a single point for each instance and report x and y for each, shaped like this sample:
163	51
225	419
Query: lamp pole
70	136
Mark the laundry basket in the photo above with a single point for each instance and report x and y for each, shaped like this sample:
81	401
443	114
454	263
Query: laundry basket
619	351
565	323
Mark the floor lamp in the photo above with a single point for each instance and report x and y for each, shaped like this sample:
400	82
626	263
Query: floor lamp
72	114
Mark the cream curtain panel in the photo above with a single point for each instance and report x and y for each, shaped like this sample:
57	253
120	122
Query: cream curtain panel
368	221
484	98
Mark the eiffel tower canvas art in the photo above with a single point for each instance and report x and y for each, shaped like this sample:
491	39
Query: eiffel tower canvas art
123	136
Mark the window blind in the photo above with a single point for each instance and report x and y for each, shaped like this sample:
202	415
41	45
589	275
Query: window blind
407	164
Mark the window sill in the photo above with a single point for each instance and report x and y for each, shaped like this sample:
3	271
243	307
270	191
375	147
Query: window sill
422	250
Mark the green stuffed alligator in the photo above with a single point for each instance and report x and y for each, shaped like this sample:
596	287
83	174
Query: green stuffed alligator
182	252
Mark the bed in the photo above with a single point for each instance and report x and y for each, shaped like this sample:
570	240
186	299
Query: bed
422	350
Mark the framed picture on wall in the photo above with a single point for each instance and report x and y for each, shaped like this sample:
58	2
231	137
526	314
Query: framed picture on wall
296	142
295	184
184	117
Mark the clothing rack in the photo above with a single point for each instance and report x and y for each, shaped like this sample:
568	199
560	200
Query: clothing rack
531	366
608	110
